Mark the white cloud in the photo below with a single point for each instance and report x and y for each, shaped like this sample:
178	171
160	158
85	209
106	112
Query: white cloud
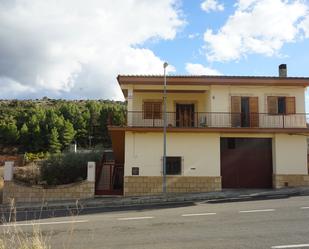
257	26
304	25
75	49
194	35
211	5
198	69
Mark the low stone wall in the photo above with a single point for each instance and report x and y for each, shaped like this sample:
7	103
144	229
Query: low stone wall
281	181
23	193
17	159
152	185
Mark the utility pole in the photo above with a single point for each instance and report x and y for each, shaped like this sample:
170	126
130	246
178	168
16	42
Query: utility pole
164	130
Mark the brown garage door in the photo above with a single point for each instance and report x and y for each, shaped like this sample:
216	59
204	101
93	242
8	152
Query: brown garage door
246	162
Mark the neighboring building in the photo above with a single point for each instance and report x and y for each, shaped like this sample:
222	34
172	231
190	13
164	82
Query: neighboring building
223	132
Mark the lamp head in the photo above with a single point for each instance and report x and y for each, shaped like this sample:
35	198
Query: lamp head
165	64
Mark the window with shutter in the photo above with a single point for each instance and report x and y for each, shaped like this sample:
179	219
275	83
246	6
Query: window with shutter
290	107
157	110
254	111
272	104
152	110
281	105
236	111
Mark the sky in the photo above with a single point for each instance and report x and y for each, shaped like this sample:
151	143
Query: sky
74	49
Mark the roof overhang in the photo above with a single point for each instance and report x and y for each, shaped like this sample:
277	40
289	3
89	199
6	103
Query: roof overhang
213	80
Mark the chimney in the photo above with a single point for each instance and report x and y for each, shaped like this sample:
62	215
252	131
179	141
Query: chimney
282	71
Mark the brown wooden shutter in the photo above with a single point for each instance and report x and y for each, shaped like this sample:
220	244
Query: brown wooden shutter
157	110
235	111
290	107
147	110
152	110
254	111
272	104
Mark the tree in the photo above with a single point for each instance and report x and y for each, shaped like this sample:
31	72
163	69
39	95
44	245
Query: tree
28	124
68	134
9	132
24	136
54	144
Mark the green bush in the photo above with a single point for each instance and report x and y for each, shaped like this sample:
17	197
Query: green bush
67	168
30	157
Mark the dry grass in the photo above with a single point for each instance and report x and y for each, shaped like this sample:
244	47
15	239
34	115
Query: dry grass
12	236
28	174
16	239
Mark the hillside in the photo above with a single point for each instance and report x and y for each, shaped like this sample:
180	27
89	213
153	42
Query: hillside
51	125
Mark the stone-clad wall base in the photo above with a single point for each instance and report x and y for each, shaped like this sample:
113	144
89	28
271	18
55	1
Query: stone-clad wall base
281	181
23	193
152	185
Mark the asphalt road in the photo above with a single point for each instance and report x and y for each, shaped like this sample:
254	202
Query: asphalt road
281	223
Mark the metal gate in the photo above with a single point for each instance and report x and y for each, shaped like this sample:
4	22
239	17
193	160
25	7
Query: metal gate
109	179
246	162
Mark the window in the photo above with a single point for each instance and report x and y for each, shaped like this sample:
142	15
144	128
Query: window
152	110
173	165
281	105
245	111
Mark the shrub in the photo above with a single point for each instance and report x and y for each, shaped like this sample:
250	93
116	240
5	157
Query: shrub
67	168
28	174
30	157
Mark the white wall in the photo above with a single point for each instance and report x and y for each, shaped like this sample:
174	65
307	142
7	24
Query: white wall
202	152
197	98
199	150
220	96
290	154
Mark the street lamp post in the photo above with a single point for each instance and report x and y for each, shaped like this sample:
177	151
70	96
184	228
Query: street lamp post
164	129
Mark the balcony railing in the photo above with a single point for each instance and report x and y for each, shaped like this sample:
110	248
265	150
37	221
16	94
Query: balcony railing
217	120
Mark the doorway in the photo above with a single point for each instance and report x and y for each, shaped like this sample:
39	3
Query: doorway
184	115
245	112
246	162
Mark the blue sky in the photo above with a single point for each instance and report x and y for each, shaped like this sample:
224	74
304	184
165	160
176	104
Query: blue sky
74	49
182	49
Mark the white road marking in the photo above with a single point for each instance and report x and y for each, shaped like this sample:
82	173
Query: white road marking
304	208
290	246
136	218
44	223
257	210
201	214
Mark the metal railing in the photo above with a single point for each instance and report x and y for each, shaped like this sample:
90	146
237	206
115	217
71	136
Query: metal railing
217	120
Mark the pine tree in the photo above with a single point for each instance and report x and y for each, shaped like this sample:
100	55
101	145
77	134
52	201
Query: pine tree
24	136
68	134
9	132
54	144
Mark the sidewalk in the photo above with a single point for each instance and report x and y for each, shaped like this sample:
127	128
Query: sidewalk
119	201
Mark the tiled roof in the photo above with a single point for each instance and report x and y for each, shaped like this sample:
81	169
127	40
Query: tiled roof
208	76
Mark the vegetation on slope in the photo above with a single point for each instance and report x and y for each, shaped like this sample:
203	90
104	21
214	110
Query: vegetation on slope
52	125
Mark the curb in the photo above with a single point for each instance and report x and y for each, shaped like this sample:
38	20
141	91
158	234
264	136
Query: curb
129	202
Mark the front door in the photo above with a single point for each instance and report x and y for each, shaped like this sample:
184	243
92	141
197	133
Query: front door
185	115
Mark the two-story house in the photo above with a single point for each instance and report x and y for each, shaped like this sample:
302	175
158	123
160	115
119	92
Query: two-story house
222	132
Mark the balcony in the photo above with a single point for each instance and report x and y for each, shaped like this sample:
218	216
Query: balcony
217	120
